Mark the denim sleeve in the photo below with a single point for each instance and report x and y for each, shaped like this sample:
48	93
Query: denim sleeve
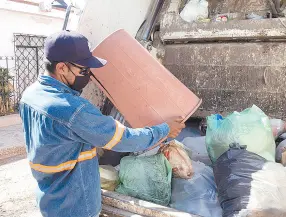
90	126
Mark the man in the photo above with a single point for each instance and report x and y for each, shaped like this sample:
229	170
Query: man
62	130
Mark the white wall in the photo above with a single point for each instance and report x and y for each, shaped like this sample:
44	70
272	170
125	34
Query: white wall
102	17
27	19
17	22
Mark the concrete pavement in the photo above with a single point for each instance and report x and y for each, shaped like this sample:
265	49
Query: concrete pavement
17	187
12	143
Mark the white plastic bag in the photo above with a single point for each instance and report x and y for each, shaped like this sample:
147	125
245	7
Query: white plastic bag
195	10
108	177
197	195
179	159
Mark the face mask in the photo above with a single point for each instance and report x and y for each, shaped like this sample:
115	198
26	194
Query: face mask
80	82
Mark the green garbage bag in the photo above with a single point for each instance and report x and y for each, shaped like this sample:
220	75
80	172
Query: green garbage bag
250	128
147	178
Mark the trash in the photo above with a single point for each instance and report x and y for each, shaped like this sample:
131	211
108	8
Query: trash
278	127
203	127
250	128
179	159
253	16
199	149
202	20
227	17
197	195
108	177
248	185
221	18
195	10
281	153
147	178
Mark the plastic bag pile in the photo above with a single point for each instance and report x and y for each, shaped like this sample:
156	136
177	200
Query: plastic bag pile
245	180
148	177
242	148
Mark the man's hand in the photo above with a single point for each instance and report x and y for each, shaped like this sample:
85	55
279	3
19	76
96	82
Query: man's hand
176	127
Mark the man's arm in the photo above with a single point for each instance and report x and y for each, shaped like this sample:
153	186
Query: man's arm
91	127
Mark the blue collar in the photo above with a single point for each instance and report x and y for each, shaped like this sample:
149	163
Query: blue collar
50	81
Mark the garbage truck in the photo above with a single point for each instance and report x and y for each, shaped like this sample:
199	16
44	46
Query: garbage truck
230	64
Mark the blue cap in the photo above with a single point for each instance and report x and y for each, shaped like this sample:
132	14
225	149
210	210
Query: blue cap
70	46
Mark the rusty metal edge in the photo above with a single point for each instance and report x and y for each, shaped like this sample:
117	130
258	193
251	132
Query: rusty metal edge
115	212
139	207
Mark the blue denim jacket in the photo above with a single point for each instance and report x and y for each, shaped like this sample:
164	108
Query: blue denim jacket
62	131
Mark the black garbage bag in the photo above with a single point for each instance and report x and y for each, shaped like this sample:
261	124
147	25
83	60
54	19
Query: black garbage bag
248	185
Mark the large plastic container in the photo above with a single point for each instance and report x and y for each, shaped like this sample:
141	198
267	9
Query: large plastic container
143	90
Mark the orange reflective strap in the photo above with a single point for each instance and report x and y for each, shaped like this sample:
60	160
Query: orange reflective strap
69	165
86	155
117	136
